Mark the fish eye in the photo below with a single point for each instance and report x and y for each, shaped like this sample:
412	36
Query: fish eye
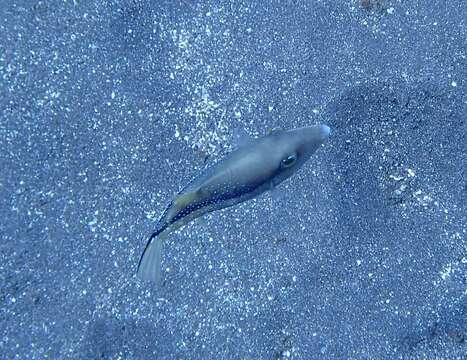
289	161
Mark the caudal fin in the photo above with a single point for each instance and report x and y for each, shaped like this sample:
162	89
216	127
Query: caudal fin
149	267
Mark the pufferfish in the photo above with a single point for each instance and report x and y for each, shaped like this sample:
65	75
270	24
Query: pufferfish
258	165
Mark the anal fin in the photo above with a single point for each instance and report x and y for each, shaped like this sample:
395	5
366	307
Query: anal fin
181	202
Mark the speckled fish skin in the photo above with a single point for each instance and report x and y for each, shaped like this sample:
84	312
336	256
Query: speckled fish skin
245	173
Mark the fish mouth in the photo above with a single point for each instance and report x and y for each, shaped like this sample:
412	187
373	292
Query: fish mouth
325	131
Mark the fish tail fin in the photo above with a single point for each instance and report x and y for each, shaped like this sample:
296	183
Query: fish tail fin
150	263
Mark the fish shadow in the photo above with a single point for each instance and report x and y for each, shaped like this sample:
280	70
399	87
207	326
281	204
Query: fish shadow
110	338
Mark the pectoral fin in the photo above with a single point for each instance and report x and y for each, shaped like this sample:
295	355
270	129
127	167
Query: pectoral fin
277	197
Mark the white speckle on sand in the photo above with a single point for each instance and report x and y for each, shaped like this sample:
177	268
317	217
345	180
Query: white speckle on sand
396	178
446	272
401	189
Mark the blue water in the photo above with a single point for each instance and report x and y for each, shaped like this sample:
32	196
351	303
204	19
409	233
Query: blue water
109	108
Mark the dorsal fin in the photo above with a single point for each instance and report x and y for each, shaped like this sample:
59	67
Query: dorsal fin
273	131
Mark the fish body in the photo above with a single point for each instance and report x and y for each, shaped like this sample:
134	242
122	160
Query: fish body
253	168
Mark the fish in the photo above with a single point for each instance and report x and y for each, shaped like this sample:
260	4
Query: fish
255	166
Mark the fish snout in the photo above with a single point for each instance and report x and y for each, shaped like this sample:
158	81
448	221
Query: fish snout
325	132
311	138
